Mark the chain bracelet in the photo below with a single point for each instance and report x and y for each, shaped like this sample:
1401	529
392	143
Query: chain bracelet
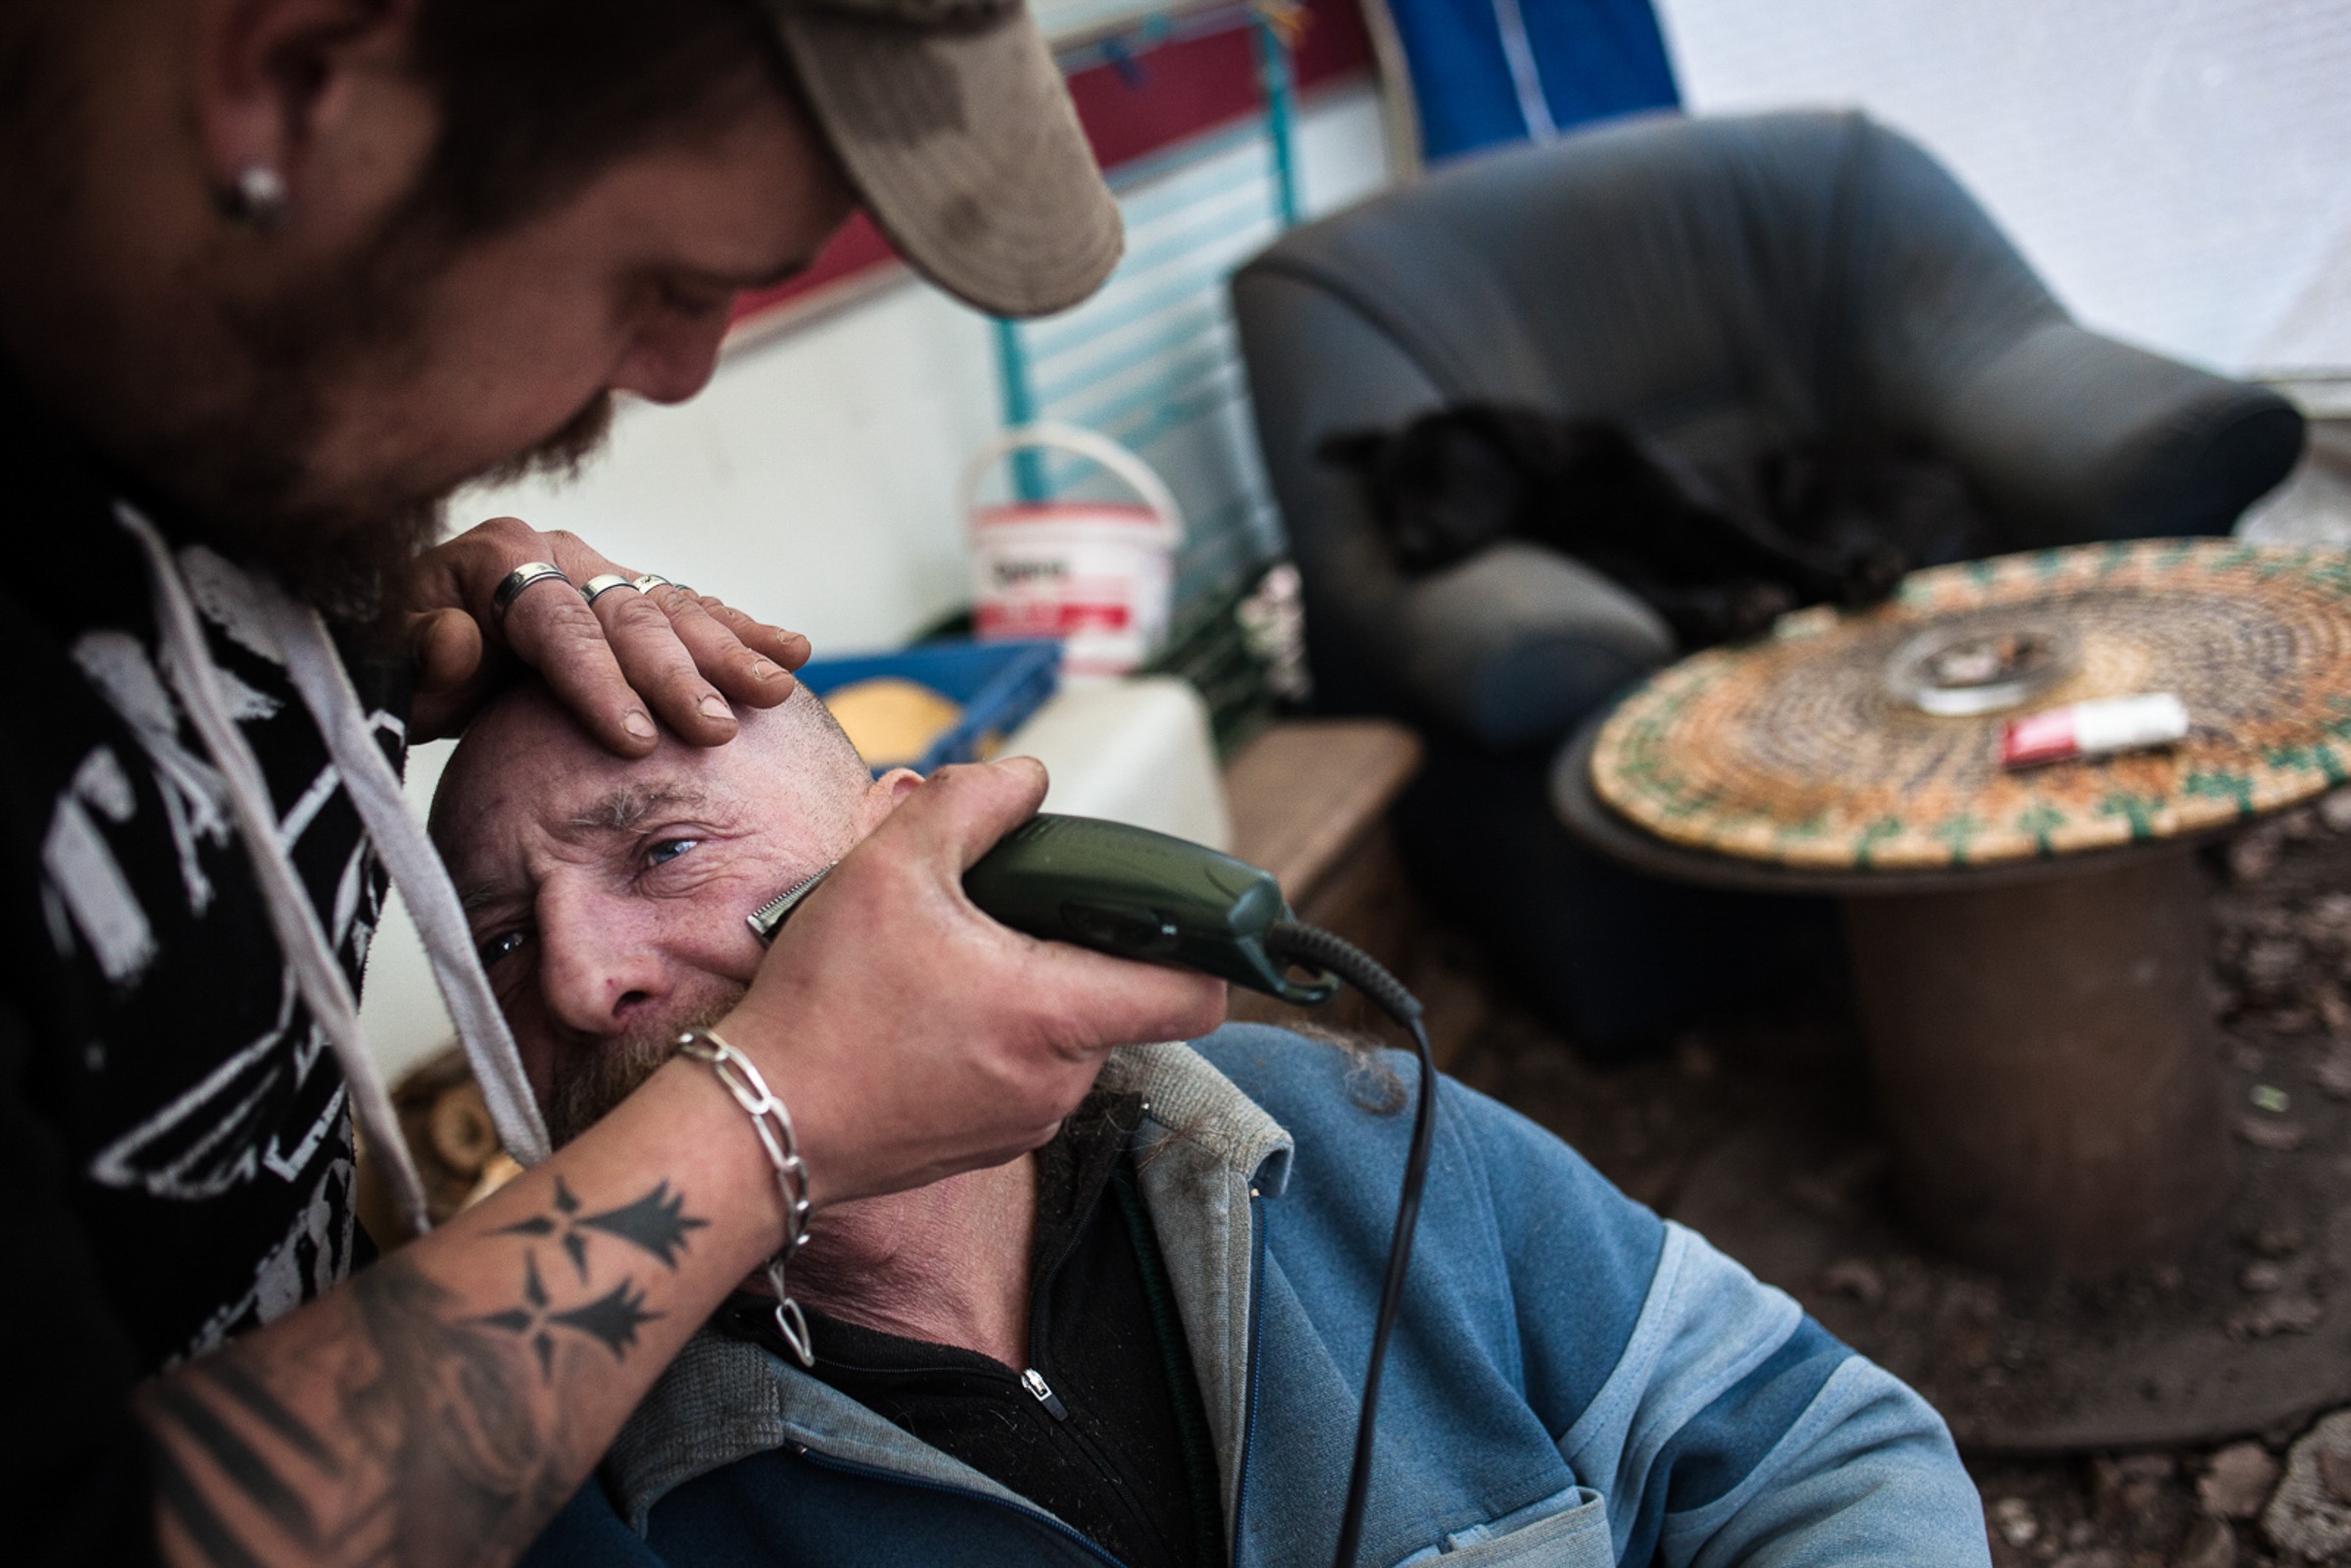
741	1078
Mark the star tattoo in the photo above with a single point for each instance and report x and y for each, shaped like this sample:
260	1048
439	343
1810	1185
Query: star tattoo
530	1318
656	1223
611	1319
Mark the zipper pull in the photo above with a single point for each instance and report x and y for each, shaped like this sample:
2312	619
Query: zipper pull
1034	1381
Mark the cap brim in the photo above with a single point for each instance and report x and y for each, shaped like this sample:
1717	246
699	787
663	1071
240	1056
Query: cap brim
966	151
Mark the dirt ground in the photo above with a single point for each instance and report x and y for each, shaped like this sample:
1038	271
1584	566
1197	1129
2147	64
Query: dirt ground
2281	994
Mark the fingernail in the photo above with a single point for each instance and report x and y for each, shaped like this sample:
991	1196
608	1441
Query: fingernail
765	670
714	705
637	724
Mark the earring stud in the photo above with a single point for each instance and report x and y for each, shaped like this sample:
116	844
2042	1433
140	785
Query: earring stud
259	198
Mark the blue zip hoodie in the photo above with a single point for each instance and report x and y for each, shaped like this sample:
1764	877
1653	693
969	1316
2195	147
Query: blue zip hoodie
1573	1380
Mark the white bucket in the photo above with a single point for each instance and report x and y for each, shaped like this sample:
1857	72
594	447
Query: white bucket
1098	574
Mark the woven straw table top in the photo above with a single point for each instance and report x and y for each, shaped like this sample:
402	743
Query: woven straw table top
1790	750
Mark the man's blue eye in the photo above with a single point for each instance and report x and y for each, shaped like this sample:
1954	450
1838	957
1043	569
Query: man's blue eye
669	849
502	945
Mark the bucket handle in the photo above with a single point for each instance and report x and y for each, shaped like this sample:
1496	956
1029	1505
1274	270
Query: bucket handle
1084	443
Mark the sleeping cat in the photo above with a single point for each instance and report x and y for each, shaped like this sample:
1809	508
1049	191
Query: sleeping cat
1718	553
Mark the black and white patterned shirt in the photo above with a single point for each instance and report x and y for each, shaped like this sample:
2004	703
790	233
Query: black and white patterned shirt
176	1149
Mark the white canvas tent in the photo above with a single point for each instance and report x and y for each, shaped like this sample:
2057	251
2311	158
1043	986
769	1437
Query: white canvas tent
2179	171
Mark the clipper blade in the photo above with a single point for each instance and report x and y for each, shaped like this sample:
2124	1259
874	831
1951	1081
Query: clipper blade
770	917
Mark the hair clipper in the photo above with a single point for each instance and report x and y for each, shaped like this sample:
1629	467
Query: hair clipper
1127	891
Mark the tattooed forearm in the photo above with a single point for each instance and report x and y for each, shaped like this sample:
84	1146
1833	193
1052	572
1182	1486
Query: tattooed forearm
655	1222
239	1461
471	1450
185	1505
614	1319
397	1421
263	1406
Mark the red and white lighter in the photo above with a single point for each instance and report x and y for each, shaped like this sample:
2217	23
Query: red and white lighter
2096	728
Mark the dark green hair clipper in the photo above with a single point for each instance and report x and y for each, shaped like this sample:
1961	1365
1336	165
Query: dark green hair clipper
1128	892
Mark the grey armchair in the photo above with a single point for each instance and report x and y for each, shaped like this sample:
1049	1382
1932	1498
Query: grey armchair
1725	286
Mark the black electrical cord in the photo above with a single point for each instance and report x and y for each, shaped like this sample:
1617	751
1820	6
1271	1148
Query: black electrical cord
1311	948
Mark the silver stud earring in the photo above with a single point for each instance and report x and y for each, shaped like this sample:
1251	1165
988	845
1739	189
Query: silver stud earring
258	199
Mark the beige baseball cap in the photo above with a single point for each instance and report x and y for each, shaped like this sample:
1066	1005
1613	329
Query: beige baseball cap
953	123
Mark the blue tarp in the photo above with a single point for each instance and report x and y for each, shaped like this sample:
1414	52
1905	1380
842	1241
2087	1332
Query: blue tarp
1490	72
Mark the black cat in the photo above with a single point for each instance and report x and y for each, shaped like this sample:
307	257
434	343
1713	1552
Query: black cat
1718	554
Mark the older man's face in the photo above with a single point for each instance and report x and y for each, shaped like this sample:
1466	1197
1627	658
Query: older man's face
608	898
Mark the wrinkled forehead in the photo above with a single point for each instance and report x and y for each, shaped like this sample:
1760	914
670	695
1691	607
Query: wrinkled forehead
526	767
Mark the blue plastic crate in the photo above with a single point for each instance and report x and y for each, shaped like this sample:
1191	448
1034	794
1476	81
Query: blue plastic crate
1000	684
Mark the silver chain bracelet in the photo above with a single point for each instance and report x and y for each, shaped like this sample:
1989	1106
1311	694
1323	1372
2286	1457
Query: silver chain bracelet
773	1123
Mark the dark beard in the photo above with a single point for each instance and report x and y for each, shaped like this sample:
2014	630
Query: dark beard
590	1085
343	557
560	455
243	468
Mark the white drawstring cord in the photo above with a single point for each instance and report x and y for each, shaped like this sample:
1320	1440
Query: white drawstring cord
416	871
299	937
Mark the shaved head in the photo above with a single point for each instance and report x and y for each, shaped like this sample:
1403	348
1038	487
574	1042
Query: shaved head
608	896
799	746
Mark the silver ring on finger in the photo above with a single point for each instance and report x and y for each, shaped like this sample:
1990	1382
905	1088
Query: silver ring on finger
649	581
596	588
516	582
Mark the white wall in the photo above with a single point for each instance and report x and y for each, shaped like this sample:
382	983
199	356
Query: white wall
812	483
2179	171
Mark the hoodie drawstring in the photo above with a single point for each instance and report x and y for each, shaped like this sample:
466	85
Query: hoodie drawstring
417	871
317	674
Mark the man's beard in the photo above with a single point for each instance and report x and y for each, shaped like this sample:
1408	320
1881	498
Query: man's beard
591	1083
244	466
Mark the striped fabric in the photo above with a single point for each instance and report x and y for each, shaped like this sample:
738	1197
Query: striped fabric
1152	361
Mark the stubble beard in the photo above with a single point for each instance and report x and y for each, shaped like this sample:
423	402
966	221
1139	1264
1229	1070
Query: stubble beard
239	467
244	467
590	1085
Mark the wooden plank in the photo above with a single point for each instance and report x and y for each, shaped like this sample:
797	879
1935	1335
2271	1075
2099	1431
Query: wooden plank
1304	792
1309	802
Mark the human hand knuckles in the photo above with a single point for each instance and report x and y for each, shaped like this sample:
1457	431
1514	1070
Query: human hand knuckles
661	669
464	572
580	560
716	659
634	615
964	810
484	554
561	636
788	649
683	659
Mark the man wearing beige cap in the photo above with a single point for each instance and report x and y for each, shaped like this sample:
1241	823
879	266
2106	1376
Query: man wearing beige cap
275	278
